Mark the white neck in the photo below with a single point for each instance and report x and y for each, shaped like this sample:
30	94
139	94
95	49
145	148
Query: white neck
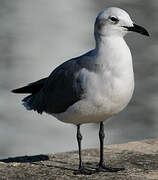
114	54
103	42
113	48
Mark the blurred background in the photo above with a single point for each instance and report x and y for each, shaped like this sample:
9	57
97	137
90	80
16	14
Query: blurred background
35	37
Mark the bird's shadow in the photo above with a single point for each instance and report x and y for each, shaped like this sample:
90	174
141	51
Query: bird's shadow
26	159
36	159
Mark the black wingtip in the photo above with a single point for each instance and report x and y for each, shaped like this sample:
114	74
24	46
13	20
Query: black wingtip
20	90
30	88
16	90
13	91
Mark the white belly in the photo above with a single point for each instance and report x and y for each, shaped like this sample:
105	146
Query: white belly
102	100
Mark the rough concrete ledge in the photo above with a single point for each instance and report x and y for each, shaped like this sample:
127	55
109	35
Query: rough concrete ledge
140	160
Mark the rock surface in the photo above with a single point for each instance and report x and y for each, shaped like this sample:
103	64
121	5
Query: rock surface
140	160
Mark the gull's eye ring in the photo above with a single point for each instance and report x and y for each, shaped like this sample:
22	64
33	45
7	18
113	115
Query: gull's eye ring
114	19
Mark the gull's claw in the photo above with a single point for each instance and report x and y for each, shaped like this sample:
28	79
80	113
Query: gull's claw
84	171
103	168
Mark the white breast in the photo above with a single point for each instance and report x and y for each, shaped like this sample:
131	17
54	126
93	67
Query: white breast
107	92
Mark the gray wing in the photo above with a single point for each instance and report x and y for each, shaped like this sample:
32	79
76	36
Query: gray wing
62	88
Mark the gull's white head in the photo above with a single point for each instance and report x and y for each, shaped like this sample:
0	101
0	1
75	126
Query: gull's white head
115	22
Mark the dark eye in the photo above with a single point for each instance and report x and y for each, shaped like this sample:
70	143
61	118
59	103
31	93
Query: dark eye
114	19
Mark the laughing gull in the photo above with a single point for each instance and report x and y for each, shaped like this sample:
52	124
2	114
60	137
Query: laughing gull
93	87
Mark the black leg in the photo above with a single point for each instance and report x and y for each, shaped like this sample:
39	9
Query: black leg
101	165
101	138
79	139
81	169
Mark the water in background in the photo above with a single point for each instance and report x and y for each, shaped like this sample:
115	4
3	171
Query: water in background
35	37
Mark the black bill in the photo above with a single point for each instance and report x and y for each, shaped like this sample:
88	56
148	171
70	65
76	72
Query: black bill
138	29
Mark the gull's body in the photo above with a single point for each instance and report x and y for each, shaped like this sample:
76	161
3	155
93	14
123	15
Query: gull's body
92	87
108	83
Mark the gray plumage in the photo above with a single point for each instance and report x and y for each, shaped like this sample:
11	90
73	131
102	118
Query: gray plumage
61	89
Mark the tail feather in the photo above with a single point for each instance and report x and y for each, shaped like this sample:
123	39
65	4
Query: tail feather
35	101
26	102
